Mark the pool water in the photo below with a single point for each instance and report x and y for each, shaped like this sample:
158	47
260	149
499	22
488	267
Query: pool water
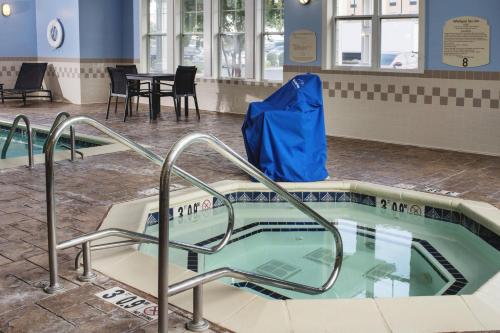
19	144
386	254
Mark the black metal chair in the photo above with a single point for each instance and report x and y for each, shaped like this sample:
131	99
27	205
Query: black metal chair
28	84
130	69
121	87
184	86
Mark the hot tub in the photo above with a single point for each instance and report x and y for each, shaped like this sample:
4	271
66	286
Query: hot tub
411	260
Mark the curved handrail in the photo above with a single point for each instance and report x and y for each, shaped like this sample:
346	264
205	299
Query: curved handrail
108	246
228	153
72	134
11	136
112	232
50	192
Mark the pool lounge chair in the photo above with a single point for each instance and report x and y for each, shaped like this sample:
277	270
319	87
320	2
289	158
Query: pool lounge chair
28	84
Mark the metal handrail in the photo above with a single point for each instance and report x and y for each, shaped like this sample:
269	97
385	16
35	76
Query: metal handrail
112	232
11	136
167	170
111	245
164	290
52	139
72	134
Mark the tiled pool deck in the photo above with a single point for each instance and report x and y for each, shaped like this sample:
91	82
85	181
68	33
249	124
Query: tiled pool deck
86	189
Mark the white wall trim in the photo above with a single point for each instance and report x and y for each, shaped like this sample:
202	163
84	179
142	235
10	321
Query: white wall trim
207	38
327	35
171	37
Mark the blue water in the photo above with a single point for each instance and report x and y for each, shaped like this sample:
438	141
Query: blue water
19	144
386	254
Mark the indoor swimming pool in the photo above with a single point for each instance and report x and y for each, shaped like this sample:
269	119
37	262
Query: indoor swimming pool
16	153
389	251
19	144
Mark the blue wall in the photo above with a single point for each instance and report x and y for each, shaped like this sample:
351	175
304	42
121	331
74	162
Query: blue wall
67	12
308	17
131	35
97	29
111	28
18	31
439	11
106	29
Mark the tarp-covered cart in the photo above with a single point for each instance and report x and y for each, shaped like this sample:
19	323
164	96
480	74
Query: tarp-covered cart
285	134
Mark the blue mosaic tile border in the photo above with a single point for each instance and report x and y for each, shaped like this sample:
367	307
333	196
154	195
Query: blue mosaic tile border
192	262
308	196
478	229
439	214
261	290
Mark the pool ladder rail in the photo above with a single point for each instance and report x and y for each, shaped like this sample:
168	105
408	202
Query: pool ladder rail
168	168
11	134
29	132
72	135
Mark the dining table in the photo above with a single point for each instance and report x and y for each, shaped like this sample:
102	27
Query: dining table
155	79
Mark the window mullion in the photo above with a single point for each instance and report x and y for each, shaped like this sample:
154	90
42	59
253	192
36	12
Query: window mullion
207	39
170	37
376	40
259	39
250	52
216	40
176	17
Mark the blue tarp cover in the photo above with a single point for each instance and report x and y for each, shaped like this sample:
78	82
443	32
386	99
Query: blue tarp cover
285	134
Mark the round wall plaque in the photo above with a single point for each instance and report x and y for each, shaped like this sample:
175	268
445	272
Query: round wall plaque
55	33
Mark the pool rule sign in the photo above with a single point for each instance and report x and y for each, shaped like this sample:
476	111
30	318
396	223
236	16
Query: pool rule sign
466	42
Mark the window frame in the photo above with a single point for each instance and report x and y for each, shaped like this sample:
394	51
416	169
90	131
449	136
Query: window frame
150	34
212	20
331	18
263	34
183	34
221	33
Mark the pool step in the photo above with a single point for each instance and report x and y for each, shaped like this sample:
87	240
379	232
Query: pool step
277	269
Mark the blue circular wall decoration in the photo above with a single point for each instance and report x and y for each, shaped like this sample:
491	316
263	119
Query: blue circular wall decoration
55	33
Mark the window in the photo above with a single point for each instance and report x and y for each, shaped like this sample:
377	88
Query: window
273	40
157	36
241	39
192	34
232	39
377	34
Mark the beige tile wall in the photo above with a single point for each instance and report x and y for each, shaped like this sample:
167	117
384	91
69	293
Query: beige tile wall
71	80
8	72
456	114
88	82
231	96
440	109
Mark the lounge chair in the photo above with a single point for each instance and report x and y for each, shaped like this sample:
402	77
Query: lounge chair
28	84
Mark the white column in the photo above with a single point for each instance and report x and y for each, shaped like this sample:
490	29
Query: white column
208	44
250	54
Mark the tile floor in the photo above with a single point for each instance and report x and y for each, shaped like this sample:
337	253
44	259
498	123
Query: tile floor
87	188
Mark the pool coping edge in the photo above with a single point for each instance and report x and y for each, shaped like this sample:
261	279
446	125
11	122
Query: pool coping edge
484	214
